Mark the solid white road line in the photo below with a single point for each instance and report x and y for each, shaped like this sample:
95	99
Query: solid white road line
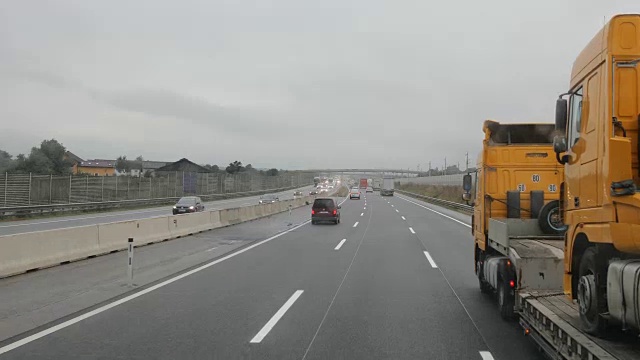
361	214
486	355
356	224
274	320
437	212
106	307
411	229
397	211
404	218
433	263
340	244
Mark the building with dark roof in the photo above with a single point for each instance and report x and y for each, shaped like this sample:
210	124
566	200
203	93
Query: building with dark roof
182	165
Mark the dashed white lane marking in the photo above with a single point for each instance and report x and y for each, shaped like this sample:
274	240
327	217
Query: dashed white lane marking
397	211
411	229
356	224
437	212
361	214
274	320
213	248
365	208
433	263
340	244
392	206
486	355
106	307
404	218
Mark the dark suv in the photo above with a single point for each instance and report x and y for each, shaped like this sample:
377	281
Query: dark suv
325	209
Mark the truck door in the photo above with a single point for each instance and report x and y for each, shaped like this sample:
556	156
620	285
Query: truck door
626	97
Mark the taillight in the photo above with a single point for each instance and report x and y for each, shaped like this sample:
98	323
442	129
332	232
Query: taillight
512	283
335	212
313	212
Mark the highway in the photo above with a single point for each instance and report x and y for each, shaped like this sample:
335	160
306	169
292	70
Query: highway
394	280
23	226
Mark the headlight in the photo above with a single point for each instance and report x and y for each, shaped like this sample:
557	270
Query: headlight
191	207
175	207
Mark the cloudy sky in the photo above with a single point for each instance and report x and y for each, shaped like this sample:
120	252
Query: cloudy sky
284	83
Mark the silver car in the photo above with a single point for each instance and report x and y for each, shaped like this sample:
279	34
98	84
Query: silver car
268	199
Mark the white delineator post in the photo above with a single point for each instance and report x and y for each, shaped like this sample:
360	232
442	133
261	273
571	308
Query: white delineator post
130	262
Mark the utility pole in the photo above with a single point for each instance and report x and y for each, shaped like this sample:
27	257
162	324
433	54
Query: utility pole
445	166
429	168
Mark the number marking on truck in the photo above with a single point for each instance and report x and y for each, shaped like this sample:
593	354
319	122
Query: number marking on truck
535	178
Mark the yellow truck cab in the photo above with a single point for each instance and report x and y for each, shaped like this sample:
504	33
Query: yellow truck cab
598	121
517	187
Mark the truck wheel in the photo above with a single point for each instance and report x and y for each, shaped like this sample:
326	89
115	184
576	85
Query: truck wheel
485	288
591	299
505	301
549	219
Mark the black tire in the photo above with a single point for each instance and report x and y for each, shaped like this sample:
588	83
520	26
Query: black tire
549	219
505	301
591	297
485	288
313	222
336	222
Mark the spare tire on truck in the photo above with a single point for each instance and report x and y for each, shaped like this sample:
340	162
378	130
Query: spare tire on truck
550	220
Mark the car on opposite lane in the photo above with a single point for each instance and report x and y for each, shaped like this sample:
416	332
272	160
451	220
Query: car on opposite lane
313	192
369	189
354	194
188	204
268	199
297	195
325	209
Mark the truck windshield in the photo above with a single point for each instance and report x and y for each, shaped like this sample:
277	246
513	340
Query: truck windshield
521	134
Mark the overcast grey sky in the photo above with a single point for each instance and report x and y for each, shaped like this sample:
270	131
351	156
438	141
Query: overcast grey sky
284	83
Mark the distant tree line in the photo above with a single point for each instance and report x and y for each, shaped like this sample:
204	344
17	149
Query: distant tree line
48	158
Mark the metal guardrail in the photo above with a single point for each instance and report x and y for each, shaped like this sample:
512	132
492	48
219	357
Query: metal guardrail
449	204
104	205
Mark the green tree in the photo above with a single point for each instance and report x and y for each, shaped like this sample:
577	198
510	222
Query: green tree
234	167
47	159
137	164
272	172
7	163
122	164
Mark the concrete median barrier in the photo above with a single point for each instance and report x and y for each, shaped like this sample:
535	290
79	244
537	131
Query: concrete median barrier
113	236
27	251
181	225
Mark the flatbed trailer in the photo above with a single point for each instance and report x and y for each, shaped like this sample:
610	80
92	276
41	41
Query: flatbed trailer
544	311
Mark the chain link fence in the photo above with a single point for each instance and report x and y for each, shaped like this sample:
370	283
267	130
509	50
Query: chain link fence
28	189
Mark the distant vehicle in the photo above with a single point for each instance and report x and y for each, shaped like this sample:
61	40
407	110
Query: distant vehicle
387	187
268	199
316	180
297	194
325	209
188	204
369	189
354	193
313	192
363	183
377	184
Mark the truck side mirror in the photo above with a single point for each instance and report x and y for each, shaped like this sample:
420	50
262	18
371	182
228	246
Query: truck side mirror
466	183
466	197
561	115
559	144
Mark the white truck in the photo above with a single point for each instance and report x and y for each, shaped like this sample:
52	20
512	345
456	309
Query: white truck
387	187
